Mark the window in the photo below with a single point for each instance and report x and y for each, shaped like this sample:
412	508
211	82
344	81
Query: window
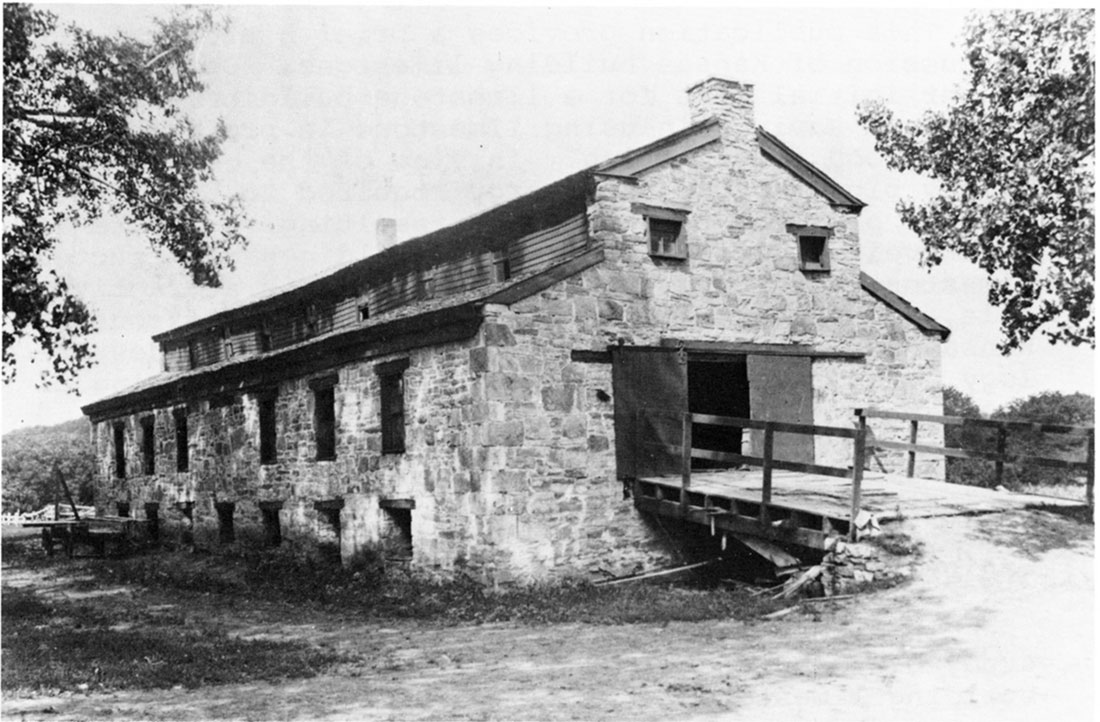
152	521
813	247
224	509
273	534
324	416
123	508
148	446
392	396
665	231
502	267
120	451
268	453
182	452
364	312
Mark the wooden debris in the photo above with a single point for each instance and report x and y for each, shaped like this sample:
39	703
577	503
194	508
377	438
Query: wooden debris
651	575
774	553
780	613
802	580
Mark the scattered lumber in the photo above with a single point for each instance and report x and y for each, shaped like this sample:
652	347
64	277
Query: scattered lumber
651	575
796	583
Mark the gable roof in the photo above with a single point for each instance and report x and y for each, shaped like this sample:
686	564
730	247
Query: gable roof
806	171
920	319
492	230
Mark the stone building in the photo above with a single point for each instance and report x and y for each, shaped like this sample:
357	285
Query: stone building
468	399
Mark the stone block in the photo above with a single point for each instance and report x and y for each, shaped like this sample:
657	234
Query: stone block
504	433
496	334
558	398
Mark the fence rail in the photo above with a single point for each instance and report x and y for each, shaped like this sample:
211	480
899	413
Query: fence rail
999	457
767	462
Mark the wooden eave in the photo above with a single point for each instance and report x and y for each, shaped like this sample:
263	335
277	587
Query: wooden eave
920	319
442	325
485	233
659	151
807	172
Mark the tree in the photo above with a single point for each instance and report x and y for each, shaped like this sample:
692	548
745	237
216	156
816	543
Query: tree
1048	407
93	124
30	457
973	472
1014	160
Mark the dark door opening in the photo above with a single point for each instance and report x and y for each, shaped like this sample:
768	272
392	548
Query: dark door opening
720	388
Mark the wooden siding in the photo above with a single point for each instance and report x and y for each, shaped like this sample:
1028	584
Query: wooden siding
293	324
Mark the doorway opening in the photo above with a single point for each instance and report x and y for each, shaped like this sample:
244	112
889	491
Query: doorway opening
720	387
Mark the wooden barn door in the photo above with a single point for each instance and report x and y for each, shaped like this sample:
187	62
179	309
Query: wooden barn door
781	389
651	395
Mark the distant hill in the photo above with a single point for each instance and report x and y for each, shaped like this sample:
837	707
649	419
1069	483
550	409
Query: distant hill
29	456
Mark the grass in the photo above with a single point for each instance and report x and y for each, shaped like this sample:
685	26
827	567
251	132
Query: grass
61	645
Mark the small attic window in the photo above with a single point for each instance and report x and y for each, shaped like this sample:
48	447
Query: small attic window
502	267
813	247
364	312
665	232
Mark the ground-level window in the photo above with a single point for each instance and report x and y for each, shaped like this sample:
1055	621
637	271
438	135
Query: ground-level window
122	508
152	521
226	534
397	528
324	416
148	445
182	454
120	450
268	453
273	533
391	378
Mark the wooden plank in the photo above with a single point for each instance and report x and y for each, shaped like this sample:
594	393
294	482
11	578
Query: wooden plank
1002	442
547	278
758	349
1091	462
779	426
986	455
663	150
766	493
858	460
590	357
685	458
988	423
911	468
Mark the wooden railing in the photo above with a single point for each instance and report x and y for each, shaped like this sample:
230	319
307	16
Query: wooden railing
1001	456
768	462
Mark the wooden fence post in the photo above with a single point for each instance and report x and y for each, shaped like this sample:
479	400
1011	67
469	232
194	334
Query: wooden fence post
1090	478
766	494
685	461
912	466
1002	445
858	459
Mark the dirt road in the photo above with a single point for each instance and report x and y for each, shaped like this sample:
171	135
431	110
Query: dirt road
998	624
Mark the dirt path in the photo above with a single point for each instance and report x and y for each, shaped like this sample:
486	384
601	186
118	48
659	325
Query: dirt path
997	625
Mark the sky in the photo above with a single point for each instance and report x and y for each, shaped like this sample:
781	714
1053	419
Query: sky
341	115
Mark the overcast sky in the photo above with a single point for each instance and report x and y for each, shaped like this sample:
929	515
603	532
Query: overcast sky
340	115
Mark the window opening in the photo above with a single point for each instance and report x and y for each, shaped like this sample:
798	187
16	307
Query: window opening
392	397
120	451
273	533
665	238
324	422
364	312
148	446
813	247
268	451
182	451
152	521
122	508
225	509
502	267
397	533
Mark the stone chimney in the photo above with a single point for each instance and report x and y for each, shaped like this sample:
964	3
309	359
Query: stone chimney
729	101
385	233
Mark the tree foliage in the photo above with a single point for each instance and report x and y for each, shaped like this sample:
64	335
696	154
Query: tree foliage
1014	158
94	124
1048	407
30	457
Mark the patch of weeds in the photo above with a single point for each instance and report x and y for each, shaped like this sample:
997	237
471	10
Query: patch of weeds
896	543
61	646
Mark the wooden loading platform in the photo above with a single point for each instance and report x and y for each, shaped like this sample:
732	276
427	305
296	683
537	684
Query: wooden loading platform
807	504
806	509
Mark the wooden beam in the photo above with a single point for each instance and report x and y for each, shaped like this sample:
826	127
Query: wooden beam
590	357
986	455
757	349
988	423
